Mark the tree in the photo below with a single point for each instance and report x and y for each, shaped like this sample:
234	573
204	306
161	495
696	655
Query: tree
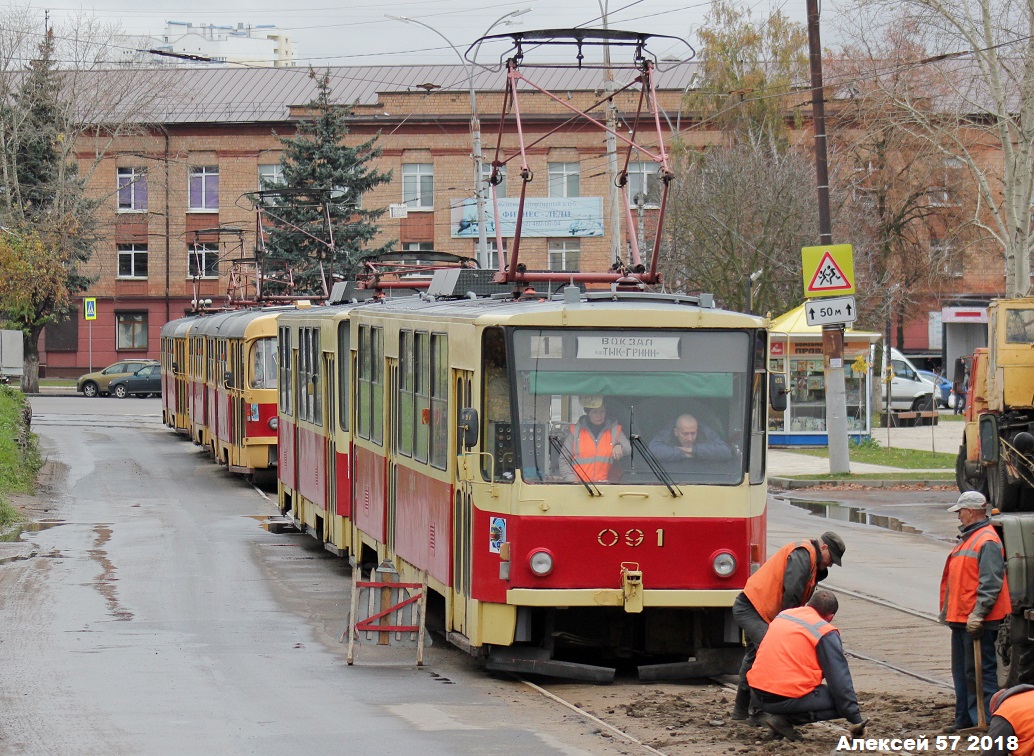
977	108
324	180
747	71
49	222
735	211
917	197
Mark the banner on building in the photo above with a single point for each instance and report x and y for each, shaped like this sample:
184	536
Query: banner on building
543	216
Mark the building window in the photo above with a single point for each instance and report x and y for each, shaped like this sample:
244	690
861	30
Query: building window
945	194
486	186
493	253
418	185
132	190
271	175
203	187
644	180
132	261
947	259
203	260
564	254
131	330
564	180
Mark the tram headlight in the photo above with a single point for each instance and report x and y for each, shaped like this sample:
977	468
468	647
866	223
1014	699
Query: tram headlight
541	562
274	423
724	564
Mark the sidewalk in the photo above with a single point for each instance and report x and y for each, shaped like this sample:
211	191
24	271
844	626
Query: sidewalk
943	437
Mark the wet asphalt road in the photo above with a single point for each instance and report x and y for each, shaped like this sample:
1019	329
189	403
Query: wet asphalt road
160	618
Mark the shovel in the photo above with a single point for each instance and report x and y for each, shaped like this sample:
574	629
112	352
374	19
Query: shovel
978	663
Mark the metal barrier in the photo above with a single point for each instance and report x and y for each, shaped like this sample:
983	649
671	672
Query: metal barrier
386	611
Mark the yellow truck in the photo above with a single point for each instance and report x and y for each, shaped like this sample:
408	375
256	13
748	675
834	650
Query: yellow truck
996	457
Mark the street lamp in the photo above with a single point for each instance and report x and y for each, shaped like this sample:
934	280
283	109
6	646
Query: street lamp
475	124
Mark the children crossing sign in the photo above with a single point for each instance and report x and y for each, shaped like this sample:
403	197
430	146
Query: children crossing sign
828	270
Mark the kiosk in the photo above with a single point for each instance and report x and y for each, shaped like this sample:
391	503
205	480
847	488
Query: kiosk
796	350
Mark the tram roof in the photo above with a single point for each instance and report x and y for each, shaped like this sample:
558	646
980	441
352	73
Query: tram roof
178	327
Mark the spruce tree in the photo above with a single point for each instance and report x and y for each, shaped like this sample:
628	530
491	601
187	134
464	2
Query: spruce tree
322	176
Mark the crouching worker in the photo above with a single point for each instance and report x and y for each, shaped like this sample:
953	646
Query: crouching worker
801	648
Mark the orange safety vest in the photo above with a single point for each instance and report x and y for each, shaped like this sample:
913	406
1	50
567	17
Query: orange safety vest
961	577
594	456
1018	711
787	663
765	587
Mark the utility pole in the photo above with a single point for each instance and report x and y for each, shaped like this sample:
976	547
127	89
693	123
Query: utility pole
832	335
612	147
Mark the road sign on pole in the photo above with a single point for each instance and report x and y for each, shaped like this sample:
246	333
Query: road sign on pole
834	310
828	270
90	308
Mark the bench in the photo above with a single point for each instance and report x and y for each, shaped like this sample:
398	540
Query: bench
928	417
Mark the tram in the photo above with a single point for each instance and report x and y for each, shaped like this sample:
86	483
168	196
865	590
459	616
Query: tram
222	369
431	431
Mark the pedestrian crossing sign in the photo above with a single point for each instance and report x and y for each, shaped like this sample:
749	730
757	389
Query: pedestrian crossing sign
90	308
828	270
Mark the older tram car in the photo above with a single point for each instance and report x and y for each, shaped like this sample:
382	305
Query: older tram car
438	433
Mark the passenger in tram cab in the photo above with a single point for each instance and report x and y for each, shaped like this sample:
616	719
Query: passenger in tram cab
685	438
595	443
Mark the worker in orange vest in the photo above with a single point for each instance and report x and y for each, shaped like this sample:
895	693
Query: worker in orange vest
785	581
800	649
1012	716
595	443
974	601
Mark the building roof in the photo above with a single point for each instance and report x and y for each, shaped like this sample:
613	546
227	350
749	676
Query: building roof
227	94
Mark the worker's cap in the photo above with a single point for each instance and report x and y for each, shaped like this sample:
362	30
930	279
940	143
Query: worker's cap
592	401
836	546
970	500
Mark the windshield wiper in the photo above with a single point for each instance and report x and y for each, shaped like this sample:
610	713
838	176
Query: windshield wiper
569	458
655	466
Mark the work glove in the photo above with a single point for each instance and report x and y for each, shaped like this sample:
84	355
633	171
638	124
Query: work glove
975	625
858	730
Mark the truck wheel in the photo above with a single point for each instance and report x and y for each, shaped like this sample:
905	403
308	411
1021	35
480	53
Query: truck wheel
1016	652
976	482
1004	495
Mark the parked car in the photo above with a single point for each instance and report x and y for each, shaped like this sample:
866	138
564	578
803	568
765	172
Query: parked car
99	382
943	386
145	381
908	390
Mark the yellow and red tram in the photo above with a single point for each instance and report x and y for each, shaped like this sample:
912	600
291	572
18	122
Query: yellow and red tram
175	383
431	432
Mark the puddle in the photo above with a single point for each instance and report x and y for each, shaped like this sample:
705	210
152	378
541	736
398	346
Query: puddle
15	534
831	510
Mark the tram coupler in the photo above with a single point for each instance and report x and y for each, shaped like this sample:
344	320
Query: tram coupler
632	587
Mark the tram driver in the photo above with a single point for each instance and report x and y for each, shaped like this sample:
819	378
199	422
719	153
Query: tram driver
593	444
685	439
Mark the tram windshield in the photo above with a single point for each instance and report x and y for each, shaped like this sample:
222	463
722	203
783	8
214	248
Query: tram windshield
263	363
630	406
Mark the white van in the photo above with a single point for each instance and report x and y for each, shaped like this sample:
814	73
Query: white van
908	389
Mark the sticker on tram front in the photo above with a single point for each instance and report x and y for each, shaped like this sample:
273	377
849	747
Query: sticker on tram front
496	534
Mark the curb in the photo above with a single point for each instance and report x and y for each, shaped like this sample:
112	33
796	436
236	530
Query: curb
790	484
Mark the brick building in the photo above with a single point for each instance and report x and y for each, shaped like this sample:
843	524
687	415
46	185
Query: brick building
192	163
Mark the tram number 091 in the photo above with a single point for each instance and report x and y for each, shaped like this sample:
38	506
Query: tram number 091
633	537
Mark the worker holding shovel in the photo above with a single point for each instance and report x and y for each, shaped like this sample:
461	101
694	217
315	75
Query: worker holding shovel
974	600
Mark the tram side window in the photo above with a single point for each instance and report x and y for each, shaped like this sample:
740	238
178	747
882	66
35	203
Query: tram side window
439	400
422	376
370	400
304	376
759	410
497	419
344	365
315	379
285	371
405	398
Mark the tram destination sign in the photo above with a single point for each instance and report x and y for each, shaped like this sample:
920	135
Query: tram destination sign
830	310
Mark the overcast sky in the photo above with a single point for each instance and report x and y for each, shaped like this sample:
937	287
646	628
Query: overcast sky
356	32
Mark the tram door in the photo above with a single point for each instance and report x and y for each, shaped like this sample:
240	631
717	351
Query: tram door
391	444
330	425
463	511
